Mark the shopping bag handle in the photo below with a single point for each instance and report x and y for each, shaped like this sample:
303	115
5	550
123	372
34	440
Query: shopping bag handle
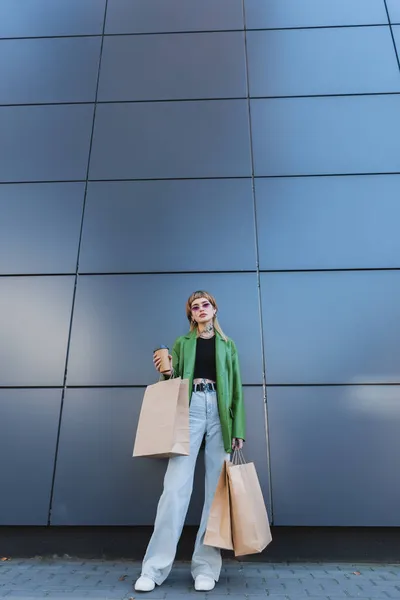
238	457
172	376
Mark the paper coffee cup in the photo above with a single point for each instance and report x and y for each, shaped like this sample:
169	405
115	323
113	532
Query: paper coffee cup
162	352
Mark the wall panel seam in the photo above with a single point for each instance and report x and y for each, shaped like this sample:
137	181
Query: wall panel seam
186	32
285	176
76	271
392	34
227	272
216	99
264	386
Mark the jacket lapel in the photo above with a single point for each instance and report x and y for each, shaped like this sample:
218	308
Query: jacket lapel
220	358
189	357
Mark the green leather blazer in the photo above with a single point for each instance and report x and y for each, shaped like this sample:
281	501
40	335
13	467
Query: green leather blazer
229	383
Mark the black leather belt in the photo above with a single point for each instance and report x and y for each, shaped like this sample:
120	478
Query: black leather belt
204	387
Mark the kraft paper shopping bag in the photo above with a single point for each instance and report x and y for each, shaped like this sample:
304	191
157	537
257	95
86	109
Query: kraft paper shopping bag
250	527
163	427
219	530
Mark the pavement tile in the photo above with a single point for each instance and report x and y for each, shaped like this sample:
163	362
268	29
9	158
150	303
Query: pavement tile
74	579
104	595
215	595
27	594
178	591
301	596
369	593
158	594
171	595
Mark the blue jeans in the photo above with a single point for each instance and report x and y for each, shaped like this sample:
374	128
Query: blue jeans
178	485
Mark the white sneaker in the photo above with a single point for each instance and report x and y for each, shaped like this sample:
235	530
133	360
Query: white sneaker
203	583
144	584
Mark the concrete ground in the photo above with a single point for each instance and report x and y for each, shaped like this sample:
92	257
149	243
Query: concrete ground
73	579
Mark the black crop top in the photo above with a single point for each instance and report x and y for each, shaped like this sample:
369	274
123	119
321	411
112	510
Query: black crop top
204	367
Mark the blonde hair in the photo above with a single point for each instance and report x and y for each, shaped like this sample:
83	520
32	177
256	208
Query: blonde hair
211	299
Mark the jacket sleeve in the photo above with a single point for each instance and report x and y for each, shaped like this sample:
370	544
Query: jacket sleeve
239	414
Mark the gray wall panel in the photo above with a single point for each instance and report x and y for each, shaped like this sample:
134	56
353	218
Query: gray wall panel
44	143
328	222
340	60
335	135
334	455
153	16
116	240
95	461
313	13
28	434
394	10
171	140
119	320
24	18
162	67
255	448
39	227
333	327
55	70
396	34
169	209
34	323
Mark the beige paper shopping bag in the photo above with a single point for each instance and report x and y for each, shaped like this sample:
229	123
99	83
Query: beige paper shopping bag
163	427
219	530
250	527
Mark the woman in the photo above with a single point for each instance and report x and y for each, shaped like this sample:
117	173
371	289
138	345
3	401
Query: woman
209	360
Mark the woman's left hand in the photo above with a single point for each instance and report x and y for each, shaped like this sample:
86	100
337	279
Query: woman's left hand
237	443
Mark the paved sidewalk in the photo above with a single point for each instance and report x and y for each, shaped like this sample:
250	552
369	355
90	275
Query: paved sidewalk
72	579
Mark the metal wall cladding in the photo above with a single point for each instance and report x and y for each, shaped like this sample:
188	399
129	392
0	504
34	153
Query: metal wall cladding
394	11
331	327
55	70
45	143
35	315
28	435
39	227
314	13
151	16
169	140
338	60
329	135
47	18
119	320
328	222
95	460
333	455
246	148
139	226
396	35
173	67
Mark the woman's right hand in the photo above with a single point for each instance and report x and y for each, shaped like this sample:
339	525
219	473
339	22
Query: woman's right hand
157	363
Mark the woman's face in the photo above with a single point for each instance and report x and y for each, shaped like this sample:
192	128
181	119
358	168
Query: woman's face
202	310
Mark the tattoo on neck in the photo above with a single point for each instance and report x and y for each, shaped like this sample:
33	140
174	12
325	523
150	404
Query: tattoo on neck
208	331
